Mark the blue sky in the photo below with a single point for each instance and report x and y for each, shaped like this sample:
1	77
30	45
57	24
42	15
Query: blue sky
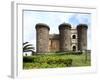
53	19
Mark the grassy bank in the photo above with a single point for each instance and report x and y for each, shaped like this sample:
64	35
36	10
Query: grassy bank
56	60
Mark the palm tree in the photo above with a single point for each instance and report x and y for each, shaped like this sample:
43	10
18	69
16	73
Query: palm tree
27	47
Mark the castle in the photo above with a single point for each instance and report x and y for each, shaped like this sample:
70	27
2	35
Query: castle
68	39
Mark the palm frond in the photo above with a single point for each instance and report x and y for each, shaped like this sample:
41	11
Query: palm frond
28	51
25	43
28	47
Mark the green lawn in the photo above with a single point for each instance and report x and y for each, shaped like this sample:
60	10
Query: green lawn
56	60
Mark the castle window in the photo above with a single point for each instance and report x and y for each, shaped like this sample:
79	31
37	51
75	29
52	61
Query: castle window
73	36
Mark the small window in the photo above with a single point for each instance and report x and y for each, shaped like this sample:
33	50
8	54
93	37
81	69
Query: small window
74	37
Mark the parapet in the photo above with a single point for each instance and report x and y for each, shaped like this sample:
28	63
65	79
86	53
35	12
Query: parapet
42	25
64	25
82	26
54	36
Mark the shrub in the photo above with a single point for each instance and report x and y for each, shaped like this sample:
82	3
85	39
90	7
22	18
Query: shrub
74	53
27	65
68	62
28	59
47	61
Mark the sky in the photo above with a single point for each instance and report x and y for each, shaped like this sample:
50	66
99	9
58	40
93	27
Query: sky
53	19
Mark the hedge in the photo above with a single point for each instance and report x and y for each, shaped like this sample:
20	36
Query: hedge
47	61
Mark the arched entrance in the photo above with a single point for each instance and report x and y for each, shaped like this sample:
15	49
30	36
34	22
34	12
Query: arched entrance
74	48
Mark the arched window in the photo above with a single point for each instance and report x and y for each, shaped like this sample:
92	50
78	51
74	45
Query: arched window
73	36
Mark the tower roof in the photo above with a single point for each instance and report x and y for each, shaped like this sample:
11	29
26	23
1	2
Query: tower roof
65	25
42	25
82	26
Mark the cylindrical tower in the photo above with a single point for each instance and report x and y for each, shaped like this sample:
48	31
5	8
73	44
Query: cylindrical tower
82	36
65	37
42	38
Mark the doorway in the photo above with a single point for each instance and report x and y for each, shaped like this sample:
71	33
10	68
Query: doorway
74	48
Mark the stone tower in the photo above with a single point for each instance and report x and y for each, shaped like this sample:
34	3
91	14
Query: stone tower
65	38
42	38
82	36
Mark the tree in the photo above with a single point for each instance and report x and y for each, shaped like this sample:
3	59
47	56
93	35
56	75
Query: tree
27	47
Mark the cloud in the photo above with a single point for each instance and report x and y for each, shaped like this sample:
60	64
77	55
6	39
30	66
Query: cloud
78	18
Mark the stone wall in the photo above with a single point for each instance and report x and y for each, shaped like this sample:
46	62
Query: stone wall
54	43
